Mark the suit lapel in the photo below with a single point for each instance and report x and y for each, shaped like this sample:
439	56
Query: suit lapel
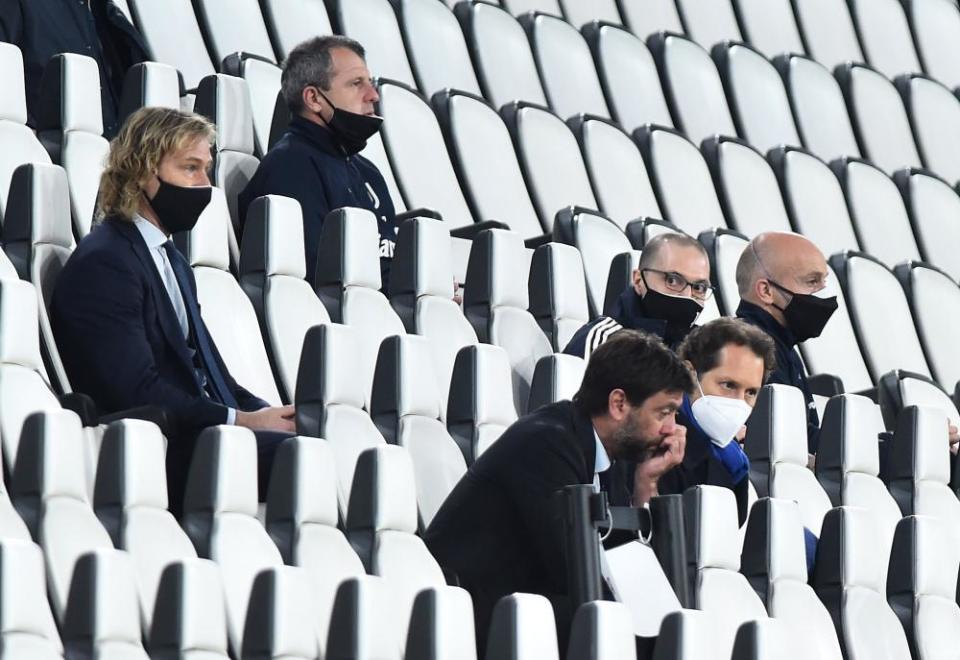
583	429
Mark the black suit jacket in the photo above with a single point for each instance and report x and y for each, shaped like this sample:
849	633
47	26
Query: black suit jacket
500	530
119	337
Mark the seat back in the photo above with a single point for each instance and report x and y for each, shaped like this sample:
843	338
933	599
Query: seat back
693	87
566	66
930	201
934	112
828	31
263	84
227	312
708	23
689	635
769	26
602	630
579	13
691	206
190	619
651	17
523	627
501	54
437	48
220	509
557	377
272	272
292	23
818	106
724	247
758	99
552	165
279	621
441	626
149	84
25	619
935	301
628	75
885	34
489	170
936	33
233	27
374	24
520	7
357	627
173	37
558	292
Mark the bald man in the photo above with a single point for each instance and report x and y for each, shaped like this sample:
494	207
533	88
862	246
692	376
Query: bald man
780	277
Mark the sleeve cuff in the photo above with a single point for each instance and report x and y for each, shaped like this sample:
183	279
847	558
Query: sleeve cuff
231	417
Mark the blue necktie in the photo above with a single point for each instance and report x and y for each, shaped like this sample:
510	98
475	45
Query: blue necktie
198	331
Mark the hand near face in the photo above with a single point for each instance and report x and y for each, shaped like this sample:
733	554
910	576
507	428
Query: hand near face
667	455
954	438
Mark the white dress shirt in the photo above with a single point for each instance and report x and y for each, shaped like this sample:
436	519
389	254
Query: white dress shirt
601	463
155	239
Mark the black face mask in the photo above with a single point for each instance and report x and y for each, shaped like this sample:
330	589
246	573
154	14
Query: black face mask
806	315
177	207
677	311
351	130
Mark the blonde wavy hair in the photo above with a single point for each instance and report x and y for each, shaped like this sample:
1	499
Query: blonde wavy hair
147	136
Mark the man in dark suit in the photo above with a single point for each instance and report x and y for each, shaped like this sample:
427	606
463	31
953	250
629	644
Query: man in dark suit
125	311
499	530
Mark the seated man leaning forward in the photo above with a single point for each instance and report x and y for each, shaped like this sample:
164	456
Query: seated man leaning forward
499	529
730	360
125	311
670	287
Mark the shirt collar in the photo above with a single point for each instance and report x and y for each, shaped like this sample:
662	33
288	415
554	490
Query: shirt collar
319	135
602	461
762	318
152	235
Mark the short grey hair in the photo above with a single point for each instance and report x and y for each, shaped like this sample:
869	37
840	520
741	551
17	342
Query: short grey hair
650	254
311	63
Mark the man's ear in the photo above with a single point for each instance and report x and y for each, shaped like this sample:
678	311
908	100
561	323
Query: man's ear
312	101
616	404
637	282
764	291
689	365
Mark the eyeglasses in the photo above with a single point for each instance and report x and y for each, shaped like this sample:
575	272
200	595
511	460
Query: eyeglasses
677	283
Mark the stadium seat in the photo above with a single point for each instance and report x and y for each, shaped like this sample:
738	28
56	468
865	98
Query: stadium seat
272	273
934	114
616	169
501	54
931	202
496	303
758	100
897	390
148	85
27	628
483	154
232	27
292	23
421	292
879	118
406	409
190	618
20	144
374	24
50	494
437	48
602	630
348	282
357	624
558	292
681	180
709	21
225	100
769	26
848	463
885	35
877	210
481	404
599	240
773	561
918	469
263	86
814	199
550	158
724	247
566	66
332	390
70	124
767	638
556	377
441	626
38	239
523	628
301	518
776	444
747	187
922	592
382	525
628	76
936	34
520	7
713	561
102	617
893	344
220	508
227	312
130	499
935	303
819	108
693	87
651	17
848	578
279	617
173	36
689	635
580	12
828	31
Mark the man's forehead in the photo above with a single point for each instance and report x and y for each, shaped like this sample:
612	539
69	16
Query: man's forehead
686	260
199	149
347	63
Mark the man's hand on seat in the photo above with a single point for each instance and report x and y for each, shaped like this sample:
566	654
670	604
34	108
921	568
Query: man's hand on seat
269	419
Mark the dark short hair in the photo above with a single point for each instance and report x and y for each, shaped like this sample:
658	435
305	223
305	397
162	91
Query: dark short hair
703	345
651	251
311	63
635	362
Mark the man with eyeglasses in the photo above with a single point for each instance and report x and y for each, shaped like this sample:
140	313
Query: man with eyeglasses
781	278
670	287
